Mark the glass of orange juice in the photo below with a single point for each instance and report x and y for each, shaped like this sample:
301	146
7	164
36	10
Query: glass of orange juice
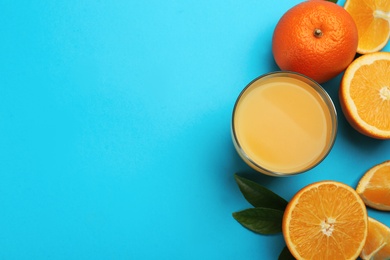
283	123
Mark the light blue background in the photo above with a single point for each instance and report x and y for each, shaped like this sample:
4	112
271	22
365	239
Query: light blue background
115	129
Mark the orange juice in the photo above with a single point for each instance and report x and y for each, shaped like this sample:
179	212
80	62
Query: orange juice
283	123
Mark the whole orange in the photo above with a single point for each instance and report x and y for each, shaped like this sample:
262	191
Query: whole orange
316	38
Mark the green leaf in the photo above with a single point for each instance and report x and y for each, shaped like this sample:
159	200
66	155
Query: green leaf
334	1
286	255
264	221
258	195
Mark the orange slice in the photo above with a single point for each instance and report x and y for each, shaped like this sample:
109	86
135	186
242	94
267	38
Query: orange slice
378	241
365	94
372	18
325	220
374	187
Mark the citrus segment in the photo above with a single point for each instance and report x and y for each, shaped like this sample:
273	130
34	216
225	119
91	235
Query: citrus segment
365	94
377	246
372	18
315	38
374	187
325	220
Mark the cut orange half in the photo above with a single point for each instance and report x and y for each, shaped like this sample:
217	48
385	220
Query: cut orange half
377	245
372	18
325	220
374	187
365	94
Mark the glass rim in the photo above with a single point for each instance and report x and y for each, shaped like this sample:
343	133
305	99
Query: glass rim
324	96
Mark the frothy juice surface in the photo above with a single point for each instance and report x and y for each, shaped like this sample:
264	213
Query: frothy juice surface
282	124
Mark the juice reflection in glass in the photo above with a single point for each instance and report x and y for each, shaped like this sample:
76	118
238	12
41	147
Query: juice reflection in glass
283	124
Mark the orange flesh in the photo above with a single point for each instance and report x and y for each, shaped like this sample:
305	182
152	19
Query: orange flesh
378	189
368	94
372	19
328	222
365	94
377	243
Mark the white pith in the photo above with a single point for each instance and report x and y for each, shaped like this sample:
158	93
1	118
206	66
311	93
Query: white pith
327	226
382	14
384	93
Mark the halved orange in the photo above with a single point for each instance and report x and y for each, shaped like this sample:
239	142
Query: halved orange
325	220
374	187
372	18
365	94
377	245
